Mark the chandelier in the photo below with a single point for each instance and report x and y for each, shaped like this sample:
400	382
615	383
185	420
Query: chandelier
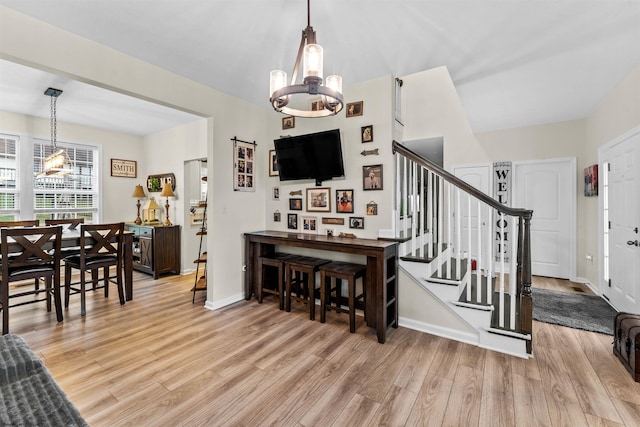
330	100
57	163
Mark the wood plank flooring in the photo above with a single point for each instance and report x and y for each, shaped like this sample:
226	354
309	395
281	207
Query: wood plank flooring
161	361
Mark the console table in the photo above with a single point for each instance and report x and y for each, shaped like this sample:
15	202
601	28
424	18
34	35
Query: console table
382	269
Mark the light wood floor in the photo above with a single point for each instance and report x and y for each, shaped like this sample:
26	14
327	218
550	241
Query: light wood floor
159	360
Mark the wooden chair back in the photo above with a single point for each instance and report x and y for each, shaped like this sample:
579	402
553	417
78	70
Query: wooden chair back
72	223
29	250
25	223
100	240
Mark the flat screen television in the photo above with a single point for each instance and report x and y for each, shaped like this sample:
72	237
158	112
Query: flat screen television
315	156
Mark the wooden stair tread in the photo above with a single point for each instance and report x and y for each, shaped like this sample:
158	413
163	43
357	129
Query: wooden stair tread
421	254
201	233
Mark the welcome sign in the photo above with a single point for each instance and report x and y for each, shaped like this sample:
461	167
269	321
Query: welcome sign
502	193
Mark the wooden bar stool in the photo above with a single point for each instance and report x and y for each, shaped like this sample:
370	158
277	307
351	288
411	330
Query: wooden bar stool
277	261
341	271
301	272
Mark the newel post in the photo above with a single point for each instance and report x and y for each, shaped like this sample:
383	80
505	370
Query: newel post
526	305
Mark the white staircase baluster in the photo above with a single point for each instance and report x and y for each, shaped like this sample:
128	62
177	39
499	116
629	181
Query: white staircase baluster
490	260
398	196
422	218
501	246
479	252
469	247
430	202
414	210
512	275
458	231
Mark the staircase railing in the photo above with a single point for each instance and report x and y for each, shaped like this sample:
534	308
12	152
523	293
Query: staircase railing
440	215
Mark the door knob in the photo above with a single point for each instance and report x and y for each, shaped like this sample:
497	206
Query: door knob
633	243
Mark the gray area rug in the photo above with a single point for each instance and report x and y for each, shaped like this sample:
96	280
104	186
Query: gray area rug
586	312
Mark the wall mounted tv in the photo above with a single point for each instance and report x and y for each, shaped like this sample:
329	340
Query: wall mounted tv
315	156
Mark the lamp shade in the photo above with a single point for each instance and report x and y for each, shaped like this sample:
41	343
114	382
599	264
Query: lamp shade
312	61
167	191
138	192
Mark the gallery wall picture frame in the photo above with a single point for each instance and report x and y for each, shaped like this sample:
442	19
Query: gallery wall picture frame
372	208
344	201
273	163
276	216
288	122
372	177
243	165
316	104
356	222
309	224
333	221
354	108
295	204
591	181
275	193
155	182
292	221
124	168
366	134
319	199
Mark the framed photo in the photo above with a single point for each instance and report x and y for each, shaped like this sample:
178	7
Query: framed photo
310	224
295	204
356	222
124	168
288	122
372	208
372	177
318	199
156	182
591	181
292	221
316	105
275	193
243	158
273	163
276	216
334	221
367	133
354	109
344	201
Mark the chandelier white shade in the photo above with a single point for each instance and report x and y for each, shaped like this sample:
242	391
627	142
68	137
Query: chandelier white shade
288	99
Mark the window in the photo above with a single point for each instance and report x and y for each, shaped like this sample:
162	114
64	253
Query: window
9	190
74	195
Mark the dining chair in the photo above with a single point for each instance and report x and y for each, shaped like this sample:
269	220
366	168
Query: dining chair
72	223
101	247
24	223
30	253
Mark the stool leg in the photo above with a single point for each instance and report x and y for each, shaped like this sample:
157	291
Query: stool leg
312	295
352	304
287	301
281	287
323	296
259	280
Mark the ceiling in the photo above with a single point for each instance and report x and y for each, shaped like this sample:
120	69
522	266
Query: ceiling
514	63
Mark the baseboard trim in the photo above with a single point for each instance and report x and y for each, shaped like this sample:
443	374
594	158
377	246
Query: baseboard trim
440	331
215	305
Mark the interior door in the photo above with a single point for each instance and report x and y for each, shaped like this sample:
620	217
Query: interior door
548	188
624	215
478	176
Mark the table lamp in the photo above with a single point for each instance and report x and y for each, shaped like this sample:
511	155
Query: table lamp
167	192
138	192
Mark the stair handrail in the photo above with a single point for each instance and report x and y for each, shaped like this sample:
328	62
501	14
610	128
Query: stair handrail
524	238
447	176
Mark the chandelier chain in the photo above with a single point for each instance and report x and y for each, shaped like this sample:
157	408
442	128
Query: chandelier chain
54	122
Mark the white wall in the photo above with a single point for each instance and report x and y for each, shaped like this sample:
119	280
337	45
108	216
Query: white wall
115	206
376	95
61	52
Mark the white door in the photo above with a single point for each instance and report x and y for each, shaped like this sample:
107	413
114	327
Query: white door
478	176
549	188
623	197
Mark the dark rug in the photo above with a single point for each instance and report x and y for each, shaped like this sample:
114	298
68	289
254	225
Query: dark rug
586	312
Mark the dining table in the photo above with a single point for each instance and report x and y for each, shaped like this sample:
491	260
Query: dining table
71	239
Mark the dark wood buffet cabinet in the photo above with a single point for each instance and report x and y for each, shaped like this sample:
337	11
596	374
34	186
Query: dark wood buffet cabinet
156	248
